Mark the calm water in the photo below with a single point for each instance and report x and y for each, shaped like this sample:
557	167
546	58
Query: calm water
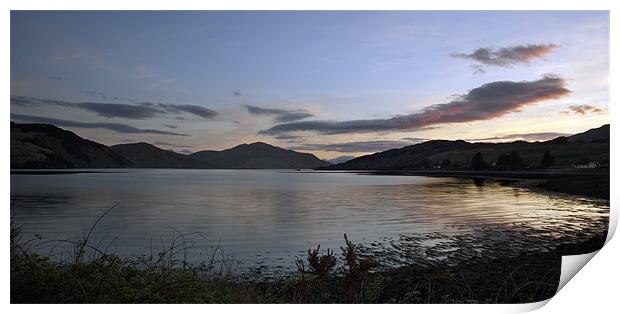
270	216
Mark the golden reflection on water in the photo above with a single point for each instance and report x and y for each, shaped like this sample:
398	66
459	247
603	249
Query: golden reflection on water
251	213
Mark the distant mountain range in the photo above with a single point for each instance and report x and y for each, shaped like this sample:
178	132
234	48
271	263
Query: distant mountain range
339	159
592	144
44	146
145	155
258	155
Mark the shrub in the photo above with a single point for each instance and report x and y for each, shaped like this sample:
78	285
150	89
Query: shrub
320	264
356	277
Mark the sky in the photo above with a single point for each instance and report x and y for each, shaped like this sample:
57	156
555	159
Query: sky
331	83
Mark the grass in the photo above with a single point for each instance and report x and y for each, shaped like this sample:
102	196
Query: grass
86	272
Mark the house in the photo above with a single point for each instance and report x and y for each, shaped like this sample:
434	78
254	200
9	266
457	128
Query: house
586	164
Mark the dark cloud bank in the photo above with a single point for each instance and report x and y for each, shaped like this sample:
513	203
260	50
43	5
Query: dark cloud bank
117	127
143	110
279	115
486	102
507	56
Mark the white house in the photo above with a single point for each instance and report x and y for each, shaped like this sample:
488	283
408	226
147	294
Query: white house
586	164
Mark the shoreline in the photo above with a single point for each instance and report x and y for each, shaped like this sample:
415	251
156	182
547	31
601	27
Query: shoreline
528	277
532	276
593	184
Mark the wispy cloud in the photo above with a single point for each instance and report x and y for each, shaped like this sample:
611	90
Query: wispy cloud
507	56
143	110
279	115
104	96
158	143
289	138
360	146
117	127
543	136
582	109
175	108
486	102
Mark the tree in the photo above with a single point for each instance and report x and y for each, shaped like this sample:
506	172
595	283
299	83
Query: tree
446	163
515	160
478	162
547	160
509	161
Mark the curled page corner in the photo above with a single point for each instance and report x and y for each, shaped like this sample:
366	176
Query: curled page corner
571	264
613	223
527	307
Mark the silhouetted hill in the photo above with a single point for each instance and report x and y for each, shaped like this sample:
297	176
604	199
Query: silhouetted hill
592	144
144	155
597	135
44	146
259	156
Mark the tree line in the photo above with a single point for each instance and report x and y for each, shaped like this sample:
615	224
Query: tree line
510	160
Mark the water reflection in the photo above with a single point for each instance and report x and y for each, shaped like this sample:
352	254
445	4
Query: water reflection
478	181
250	213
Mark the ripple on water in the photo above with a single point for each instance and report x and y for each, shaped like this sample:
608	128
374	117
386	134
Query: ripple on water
268	217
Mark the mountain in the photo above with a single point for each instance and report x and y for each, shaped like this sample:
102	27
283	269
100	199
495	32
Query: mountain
144	155
46	146
592	144
339	159
259	155
597	135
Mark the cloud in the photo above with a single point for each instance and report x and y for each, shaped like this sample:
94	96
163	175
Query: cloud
543	136
361	146
486	102
279	115
507	56
106	97
117	127
23	101
170	144
141	111
583	109
289	138
108	110
174	108
170	126
162	144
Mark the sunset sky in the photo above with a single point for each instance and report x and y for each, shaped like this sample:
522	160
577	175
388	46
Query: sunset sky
329	83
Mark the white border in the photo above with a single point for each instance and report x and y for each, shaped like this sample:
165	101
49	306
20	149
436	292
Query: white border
594	288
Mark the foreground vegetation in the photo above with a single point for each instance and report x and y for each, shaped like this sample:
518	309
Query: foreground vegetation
89	274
